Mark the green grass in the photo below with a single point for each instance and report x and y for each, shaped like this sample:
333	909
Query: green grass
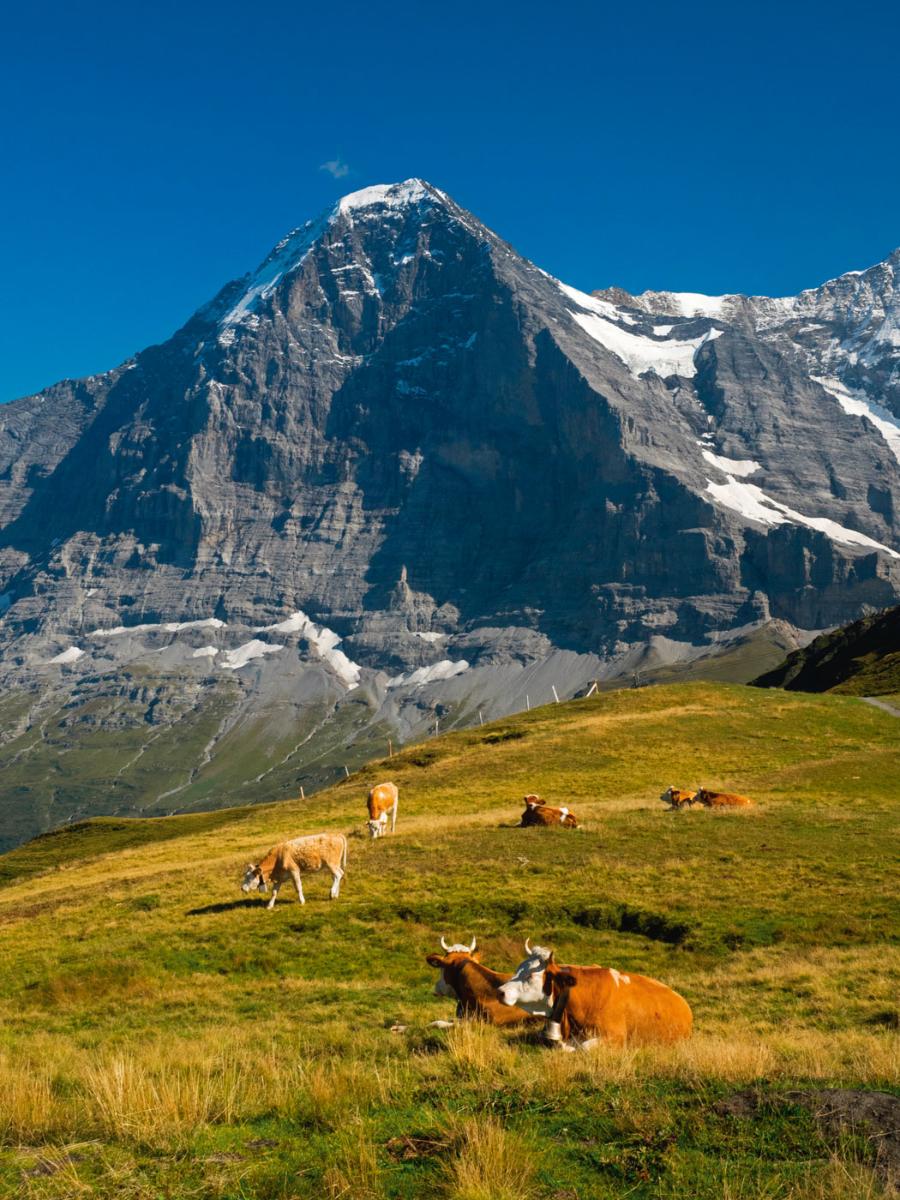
163	1036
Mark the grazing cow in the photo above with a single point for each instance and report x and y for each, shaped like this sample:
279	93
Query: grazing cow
473	986
721	799
382	800
537	812
288	859
678	797
583	1001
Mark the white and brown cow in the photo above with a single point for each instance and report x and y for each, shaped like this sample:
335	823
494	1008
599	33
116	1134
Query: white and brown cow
382	802
584	1005
472	985
288	859
677	797
538	812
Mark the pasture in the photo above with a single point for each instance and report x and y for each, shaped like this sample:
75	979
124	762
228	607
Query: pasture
163	1036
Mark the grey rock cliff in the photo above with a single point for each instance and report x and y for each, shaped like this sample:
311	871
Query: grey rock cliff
459	468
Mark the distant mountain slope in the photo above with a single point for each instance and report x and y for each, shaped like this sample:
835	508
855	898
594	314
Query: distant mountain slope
862	659
399	477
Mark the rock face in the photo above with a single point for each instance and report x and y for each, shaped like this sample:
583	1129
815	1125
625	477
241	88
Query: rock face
454	470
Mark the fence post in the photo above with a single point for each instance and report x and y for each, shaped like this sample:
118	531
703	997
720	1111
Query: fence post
555	693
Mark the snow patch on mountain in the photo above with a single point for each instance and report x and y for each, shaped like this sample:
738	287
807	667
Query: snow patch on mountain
856	403
389	195
167	627
640	353
684	304
233	660
71	655
445	669
324	641
731	466
754	504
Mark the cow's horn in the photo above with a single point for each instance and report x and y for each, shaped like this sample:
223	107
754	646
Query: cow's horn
527	945
472	947
444	945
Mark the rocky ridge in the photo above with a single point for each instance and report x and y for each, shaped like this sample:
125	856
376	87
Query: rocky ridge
399	472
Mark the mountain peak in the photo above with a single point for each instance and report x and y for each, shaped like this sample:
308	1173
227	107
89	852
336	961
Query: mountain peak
390	195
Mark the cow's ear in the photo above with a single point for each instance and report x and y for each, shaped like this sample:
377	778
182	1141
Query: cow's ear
435	960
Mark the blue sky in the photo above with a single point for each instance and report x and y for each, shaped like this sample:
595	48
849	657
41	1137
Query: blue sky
152	152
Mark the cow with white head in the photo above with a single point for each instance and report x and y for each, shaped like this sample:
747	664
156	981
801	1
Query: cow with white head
586	1004
382	805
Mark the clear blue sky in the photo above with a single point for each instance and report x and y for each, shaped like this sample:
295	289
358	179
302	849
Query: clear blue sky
151	152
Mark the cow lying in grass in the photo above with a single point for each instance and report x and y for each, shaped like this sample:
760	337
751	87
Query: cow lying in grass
537	812
473	986
677	797
288	859
721	799
703	798
382	801
584	1005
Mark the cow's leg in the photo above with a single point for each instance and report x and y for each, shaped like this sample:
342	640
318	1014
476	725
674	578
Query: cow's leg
298	884
337	875
275	887
394	817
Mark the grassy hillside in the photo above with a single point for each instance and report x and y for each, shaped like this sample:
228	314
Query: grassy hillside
862	659
164	1036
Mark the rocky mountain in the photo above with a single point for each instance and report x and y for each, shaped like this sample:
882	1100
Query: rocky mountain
399	476
860	659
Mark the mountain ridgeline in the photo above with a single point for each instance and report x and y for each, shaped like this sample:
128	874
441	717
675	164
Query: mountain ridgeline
399	476
861	659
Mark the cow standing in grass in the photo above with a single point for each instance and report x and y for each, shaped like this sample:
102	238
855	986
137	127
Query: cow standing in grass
473	986
584	1005
537	812
383	800
288	859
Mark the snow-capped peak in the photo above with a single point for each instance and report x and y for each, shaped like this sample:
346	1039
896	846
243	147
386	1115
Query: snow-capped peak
292	250
390	195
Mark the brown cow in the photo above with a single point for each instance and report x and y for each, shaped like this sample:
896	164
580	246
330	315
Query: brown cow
678	797
383	799
721	799
583	1001
288	859
473	986
538	812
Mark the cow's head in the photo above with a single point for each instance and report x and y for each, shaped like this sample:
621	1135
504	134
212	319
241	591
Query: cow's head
533	801
253	879
448	964
378	827
531	987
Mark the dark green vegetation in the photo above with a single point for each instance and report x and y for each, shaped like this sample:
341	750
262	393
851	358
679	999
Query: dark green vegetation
862	659
111	751
163	1036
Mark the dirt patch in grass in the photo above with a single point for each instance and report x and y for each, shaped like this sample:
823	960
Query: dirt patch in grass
870	1117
